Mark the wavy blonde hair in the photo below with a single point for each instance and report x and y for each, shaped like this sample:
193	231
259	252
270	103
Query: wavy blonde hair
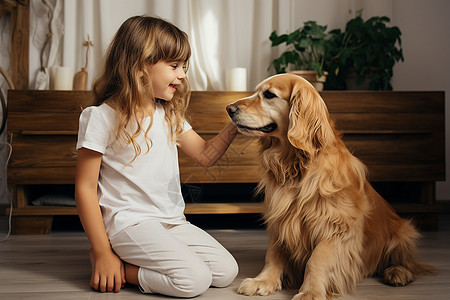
126	84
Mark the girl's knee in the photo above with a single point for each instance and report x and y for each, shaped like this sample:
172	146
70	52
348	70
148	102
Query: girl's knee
186	282
193	282
229	271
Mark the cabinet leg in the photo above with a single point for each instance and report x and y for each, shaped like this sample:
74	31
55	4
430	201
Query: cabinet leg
428	221
428	193
31	224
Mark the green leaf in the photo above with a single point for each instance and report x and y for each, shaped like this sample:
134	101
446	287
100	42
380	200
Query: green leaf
276	40
305	43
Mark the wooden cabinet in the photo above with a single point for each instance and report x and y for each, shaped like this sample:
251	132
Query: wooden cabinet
398	135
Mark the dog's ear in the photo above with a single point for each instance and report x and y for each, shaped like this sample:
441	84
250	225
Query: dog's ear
309	122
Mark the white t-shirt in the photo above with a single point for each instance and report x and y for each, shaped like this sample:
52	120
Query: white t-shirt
148	187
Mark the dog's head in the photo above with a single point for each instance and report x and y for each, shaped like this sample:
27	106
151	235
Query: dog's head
288	107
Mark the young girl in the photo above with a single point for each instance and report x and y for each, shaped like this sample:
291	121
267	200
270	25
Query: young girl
128	189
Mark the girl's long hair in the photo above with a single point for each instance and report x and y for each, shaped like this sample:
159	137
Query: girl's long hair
126	84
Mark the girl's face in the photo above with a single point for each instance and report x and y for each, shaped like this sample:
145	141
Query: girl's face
167	76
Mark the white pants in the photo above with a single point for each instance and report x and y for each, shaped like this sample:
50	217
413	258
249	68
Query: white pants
175	260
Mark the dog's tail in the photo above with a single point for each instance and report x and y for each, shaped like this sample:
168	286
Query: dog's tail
400	261
422	269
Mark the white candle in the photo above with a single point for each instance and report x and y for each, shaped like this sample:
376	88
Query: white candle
238	79
63	78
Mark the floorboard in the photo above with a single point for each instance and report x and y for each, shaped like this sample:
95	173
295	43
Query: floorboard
56	266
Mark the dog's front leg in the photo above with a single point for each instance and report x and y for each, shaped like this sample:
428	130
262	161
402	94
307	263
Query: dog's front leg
331	270
269	280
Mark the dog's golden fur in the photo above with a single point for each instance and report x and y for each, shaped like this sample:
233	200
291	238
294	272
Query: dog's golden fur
328	227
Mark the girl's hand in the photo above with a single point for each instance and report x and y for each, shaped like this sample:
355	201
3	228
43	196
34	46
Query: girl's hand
108	272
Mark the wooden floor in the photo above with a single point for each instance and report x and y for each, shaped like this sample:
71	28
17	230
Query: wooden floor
56	266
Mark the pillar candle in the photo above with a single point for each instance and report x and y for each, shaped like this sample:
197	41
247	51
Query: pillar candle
63	78
238	79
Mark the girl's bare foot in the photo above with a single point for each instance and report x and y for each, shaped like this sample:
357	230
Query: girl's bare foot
131	273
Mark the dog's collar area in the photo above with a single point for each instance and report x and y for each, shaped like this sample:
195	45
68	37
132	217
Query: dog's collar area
266	129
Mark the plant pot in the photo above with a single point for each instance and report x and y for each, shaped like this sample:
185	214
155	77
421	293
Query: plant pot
312	77
351	84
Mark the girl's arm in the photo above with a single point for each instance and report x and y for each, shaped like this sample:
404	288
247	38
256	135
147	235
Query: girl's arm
107	268
207	153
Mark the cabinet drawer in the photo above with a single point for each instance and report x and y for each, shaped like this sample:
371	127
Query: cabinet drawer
34	111
43	151
396	149
400	123
42	123
35	176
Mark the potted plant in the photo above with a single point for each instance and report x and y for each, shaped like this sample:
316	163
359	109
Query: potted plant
367	49
305	51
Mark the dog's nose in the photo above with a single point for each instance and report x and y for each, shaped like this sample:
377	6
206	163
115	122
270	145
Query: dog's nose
232	109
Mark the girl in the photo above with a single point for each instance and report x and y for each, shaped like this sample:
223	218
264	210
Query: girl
128	189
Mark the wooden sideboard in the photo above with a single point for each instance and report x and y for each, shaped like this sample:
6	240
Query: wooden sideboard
398	135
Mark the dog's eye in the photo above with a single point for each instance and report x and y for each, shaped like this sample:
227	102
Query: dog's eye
269	95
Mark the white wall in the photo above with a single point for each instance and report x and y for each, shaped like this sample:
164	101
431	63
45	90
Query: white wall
425	29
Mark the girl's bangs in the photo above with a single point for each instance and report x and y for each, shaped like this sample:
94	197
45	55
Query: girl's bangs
167	43
175	47
180	51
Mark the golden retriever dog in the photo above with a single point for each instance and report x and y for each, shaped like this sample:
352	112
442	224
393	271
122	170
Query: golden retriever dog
328	227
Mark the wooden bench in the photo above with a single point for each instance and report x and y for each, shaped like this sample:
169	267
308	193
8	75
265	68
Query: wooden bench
398	135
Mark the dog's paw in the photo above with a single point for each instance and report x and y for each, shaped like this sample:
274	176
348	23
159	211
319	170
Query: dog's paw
398	276
253	286
300	296
308	296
